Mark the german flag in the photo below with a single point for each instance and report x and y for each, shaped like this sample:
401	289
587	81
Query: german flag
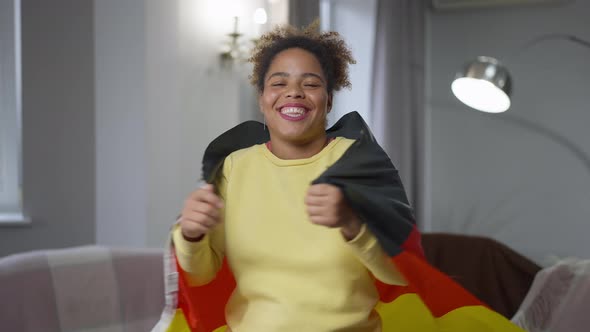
431	302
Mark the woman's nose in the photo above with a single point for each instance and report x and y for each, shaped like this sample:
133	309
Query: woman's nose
294	91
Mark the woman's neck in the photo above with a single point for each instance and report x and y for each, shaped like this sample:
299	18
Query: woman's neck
289	150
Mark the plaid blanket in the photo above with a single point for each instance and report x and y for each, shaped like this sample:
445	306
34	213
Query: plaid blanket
83	289
559	298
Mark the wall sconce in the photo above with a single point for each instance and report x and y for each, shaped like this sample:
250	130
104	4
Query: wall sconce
260	16
235	49
485	84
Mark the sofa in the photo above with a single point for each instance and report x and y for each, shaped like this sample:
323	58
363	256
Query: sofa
82	289
100	289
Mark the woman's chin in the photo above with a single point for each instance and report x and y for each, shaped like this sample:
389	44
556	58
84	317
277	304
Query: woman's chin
299	138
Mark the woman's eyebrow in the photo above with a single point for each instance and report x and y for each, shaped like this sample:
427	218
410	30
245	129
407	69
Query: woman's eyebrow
313	75
279	73
284	74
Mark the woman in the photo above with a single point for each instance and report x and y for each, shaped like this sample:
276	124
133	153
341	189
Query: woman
308	220
279	231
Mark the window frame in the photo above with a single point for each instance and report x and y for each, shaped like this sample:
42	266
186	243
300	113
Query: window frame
11	207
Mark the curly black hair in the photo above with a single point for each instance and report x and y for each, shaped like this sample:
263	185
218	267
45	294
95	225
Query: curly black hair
328	47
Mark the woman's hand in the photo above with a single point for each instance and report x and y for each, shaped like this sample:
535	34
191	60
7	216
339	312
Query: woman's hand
201	212
327	206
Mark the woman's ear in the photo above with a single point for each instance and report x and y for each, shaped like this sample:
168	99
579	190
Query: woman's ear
329	103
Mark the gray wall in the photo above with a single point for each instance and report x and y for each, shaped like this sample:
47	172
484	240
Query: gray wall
121	97
58	126
161	97
120	51
518	177
338	15
522	177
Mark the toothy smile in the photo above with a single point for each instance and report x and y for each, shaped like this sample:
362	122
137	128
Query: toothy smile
293	112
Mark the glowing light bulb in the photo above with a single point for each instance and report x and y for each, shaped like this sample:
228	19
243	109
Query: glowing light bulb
260	16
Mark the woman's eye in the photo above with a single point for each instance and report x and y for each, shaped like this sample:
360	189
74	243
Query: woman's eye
311	85
278	84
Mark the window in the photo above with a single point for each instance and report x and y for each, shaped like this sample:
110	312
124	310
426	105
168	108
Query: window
10	113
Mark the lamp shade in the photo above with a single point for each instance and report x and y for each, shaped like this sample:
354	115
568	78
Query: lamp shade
483	84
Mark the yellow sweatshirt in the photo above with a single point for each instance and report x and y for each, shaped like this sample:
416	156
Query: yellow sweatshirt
291	275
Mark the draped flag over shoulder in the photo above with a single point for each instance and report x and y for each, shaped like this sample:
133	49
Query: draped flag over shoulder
431	302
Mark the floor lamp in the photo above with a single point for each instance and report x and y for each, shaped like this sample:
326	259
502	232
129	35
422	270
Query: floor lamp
485	83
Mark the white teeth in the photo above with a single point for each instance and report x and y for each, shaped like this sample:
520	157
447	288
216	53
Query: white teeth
293	111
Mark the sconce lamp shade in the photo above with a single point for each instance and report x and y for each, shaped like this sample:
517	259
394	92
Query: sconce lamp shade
483	84
260	16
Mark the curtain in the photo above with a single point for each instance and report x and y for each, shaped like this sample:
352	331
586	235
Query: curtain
398	93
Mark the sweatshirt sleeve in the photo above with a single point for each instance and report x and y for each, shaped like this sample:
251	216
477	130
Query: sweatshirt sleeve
367	249
203	259
200	259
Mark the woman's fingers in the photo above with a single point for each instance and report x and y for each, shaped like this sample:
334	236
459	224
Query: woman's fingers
201	212
202	207
200	218
206	194
192	229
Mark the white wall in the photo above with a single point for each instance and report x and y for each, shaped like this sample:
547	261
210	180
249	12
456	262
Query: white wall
515	176
161	98
356	22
